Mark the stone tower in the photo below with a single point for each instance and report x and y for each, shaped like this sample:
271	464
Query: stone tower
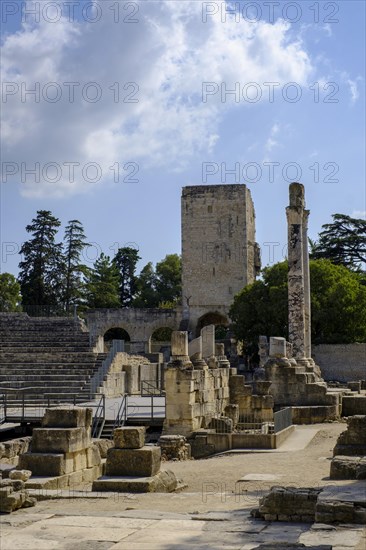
219	252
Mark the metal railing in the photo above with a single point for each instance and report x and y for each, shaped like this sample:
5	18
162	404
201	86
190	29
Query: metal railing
282	419
25	403
121	416
98	378
99	418
150	387
250	423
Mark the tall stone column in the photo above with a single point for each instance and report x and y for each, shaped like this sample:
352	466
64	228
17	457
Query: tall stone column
296	290
307	303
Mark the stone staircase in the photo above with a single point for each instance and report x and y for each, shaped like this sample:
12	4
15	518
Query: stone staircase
49	355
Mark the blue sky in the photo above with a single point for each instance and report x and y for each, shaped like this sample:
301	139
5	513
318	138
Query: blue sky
142	88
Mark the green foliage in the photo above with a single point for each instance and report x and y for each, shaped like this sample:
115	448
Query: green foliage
169	278
10	297
42	267
102	284
161	287
125	262
163	334
75	242
338	303
343	242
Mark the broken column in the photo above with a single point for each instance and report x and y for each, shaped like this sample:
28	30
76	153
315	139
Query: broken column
133	467
208	341
195	353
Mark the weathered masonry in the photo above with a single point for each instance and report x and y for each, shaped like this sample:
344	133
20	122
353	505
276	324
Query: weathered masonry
219	252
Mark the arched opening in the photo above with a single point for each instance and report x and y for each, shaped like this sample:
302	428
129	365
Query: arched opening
116	333
214	318
160	342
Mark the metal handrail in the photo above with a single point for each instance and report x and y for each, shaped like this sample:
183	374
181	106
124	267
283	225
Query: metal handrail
150	387
98	378
121	416
282	419
99	418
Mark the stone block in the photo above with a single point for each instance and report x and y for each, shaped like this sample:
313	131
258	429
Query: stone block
75	478
68	417
163	482
144	462
277	347
93	457
59	440
129	437
91	474
103	446
79	459
23	475
41	464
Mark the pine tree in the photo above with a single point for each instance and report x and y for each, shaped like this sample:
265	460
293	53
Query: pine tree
102	284
74	244
343	242
42	268
125	261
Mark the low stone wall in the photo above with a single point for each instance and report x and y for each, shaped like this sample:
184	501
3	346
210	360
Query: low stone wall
288	504
341	362
127	372
211	443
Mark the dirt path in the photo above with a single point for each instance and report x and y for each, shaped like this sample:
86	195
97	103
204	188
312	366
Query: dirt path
213	483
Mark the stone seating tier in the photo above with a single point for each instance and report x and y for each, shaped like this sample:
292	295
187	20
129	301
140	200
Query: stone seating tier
50	355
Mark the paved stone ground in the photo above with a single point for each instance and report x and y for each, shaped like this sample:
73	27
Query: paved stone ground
148	530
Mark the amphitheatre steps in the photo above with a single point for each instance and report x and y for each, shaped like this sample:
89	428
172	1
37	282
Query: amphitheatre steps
51	356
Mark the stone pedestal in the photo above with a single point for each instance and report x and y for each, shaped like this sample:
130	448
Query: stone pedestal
133	466
62	450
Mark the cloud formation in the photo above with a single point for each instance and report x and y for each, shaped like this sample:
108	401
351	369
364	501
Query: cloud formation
129	92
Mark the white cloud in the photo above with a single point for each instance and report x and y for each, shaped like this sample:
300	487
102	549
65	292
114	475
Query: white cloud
353	90
271	141
169	53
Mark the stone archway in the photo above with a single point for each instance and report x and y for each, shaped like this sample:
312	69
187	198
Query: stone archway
116	333
212	318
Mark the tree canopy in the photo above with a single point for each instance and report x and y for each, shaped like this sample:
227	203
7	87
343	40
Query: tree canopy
343	242
103	284
10	297
338	305
39	276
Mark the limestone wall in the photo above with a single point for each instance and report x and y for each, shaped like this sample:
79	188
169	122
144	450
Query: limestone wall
342	362
193	397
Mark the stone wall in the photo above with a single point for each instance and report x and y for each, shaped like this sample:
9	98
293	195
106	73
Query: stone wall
127	372
342	362
193	398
